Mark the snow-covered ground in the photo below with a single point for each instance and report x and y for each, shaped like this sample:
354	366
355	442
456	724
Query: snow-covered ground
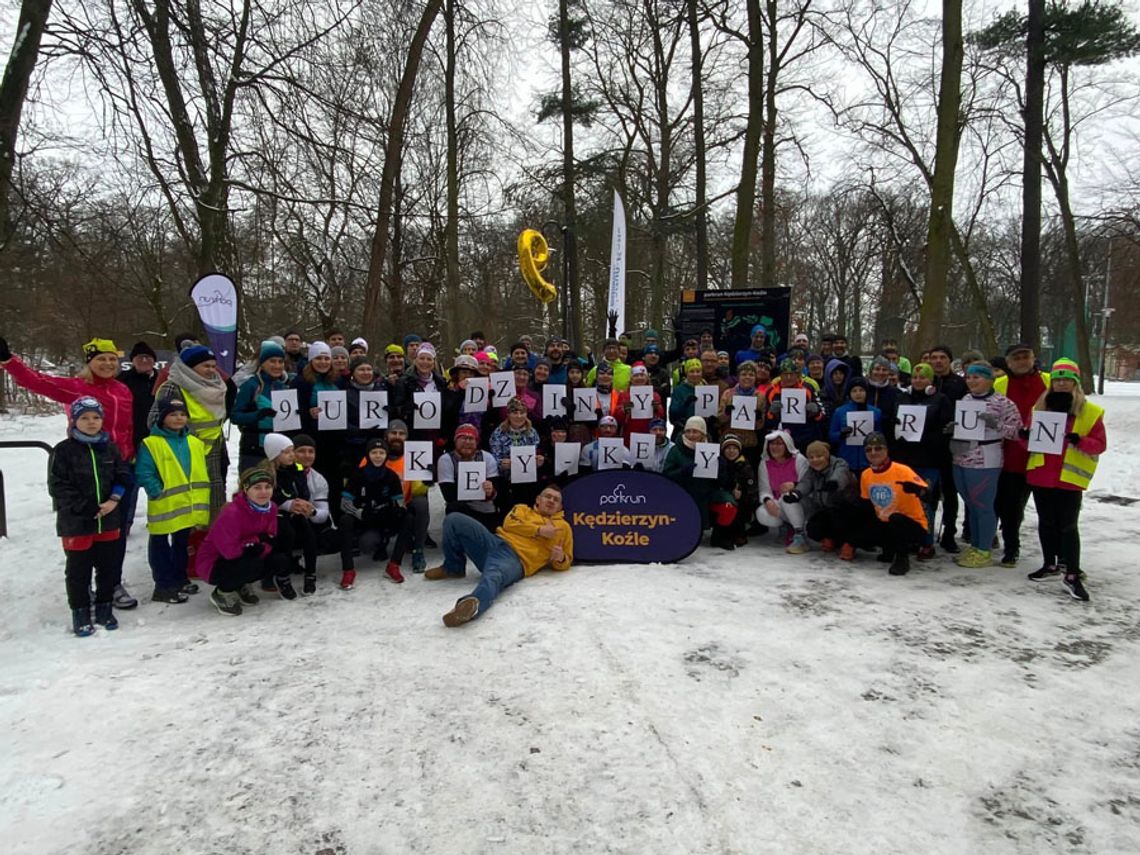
747	702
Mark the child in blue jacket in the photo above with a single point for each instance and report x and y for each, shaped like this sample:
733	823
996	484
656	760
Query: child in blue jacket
856	402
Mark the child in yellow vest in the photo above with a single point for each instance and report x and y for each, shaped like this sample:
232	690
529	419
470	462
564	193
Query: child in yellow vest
171	466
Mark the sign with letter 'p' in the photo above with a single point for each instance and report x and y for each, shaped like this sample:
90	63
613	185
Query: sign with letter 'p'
624	516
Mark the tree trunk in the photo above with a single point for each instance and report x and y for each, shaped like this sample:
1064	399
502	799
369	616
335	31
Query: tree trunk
1076	284
13	92
570	212
698	90
768	159
451	226
661	181
393	158
938	233
1031	175
746	189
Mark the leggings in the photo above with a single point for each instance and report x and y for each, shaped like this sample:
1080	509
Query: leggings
371	534
102	558
294	531
978	488
790	512
1058	514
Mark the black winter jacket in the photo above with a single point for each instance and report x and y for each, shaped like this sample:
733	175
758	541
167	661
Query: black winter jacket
81	477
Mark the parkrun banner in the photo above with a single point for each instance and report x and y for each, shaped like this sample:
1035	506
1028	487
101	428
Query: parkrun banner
631	517
217	302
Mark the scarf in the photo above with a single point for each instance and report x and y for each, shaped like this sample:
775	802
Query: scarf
87	439
211	394
261	509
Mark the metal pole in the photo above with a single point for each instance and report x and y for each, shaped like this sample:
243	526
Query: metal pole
1104	313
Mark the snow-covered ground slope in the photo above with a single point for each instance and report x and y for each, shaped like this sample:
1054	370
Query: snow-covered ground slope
748	702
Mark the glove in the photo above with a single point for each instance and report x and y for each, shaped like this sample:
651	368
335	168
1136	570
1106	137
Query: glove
598	413
912	488
728	408
639	467
775	407
948	430
1023	433
5	353
813	409
830	486
1073	438
847	431
266	413
568	404
251	550
792	497
348	506
989	420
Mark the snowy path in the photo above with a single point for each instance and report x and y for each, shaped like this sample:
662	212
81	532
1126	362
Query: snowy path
749	702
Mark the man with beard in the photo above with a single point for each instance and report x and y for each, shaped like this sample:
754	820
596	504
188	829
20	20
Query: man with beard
839	351
466	451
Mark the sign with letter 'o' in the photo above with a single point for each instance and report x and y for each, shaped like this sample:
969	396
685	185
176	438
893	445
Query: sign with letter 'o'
632	517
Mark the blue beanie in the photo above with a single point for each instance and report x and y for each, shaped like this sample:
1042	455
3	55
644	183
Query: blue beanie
759	328
270	349
409	338
196	354
86	404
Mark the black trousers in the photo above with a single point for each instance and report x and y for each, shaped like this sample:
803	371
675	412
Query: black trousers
841	524
229	574
1058	516
897	534
949	497
294	532
1012	497
371	532
102	559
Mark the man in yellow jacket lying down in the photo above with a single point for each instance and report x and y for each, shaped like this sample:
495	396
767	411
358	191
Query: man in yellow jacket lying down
528	540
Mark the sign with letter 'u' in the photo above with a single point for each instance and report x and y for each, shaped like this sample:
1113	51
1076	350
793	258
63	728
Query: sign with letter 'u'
626	516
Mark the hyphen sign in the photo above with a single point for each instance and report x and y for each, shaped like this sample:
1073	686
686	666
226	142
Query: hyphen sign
632	517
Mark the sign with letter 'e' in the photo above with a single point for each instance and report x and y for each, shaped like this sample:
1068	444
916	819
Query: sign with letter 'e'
624	516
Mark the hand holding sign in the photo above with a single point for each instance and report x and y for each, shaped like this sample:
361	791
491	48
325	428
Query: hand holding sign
968	423
373	410
417	461
1047	432
333	410
502	388
611	453
794	410
585	404
911	422
476	395
641	402
706	400
566	457
553	399
861	422
743	412
286	417
706	459
469	480
427	415
524	466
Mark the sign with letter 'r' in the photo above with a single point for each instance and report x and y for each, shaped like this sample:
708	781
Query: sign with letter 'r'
625	516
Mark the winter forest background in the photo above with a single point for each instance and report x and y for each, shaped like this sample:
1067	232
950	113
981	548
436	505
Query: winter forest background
368	164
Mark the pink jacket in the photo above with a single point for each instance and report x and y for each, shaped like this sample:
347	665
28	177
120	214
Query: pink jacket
115	398
237	524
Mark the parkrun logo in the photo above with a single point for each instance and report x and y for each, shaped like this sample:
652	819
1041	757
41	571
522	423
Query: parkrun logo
620	497
215	299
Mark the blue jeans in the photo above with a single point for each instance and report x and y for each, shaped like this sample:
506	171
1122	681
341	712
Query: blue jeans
978	489
167	556
464	538
932	477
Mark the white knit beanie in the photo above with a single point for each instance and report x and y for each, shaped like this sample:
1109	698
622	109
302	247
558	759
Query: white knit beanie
275	443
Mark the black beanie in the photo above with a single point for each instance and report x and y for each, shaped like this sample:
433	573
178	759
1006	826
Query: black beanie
141	348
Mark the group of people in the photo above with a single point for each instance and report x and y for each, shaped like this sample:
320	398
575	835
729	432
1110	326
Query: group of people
807	444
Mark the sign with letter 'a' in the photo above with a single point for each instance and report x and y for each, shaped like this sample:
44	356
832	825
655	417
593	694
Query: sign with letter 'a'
625	516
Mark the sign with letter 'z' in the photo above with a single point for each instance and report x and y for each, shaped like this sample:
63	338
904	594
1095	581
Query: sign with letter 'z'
625	516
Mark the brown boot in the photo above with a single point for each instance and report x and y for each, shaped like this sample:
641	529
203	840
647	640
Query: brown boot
464	610
440	572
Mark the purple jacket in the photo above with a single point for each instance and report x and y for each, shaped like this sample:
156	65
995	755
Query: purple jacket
237	524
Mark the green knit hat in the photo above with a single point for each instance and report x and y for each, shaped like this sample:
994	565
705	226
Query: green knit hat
1065	369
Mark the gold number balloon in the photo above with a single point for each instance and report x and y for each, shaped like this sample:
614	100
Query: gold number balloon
533	256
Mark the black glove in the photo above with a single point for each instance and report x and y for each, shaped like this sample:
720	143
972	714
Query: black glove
1023	433
948	430
846	431
792	497
912	487
568	404
251	550
266	413
728	408
830	486
5	353
265	539
813	409
639	467
1073	438
775	407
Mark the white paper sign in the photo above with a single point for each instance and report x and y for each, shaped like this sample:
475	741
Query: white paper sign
1047	432
373	410
967	425
861	422
641	447
706	400
427	411
611	452
477	395
793	406
417	461
566	456
286	416
524	464
585	403
743	412
552	395
333	408
706	457
502	388
911	422
469	480
641	402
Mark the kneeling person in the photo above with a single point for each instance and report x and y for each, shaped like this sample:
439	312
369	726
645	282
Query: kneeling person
898	520
528	540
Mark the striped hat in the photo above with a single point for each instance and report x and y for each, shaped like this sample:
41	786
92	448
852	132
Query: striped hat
1065	369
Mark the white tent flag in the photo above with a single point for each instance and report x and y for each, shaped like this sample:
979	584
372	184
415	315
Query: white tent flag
427	411
566	456
793	407
641	402
524	464
641	446
911	422
333	408
373	410
502	388
967	424
706	456
417	461
861	422
616	301
706	401
744	412
476	395
469	480
1047	432
552	395
286	417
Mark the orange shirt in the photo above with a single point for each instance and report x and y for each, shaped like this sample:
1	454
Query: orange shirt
887	496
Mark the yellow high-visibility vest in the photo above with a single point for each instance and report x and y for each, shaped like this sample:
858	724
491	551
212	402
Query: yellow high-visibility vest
202	423
184	502
1077	468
